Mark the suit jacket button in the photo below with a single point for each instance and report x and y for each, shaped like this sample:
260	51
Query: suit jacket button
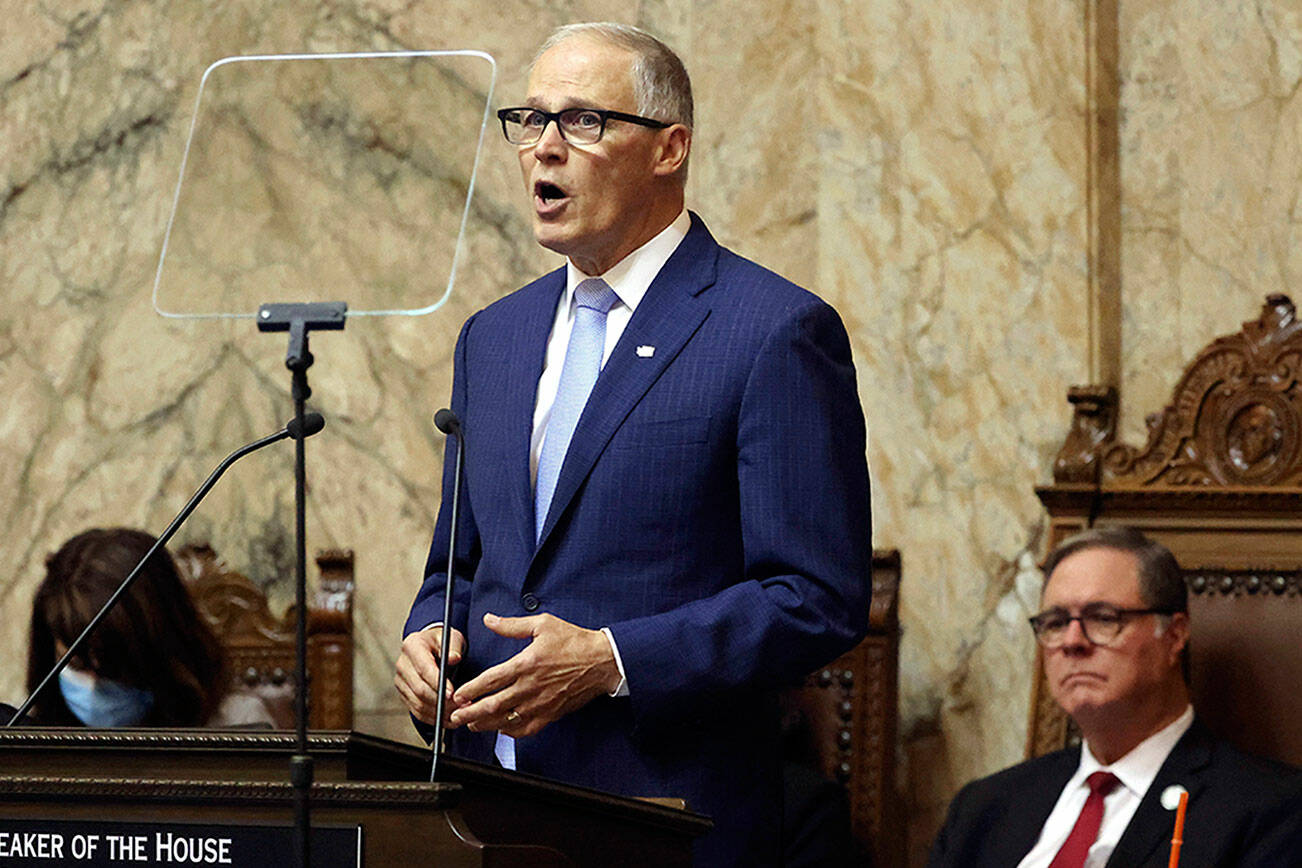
530	602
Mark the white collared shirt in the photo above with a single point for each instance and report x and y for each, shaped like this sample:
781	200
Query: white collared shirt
629	278
1136	771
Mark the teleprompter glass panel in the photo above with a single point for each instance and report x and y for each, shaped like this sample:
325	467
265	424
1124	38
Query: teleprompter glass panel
327	177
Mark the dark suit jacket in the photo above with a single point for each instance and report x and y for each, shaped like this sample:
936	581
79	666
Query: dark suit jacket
1243	811
712	511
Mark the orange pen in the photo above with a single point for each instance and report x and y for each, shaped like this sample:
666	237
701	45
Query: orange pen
1177	837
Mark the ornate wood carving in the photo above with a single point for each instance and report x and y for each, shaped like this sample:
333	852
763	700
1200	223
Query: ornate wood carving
1218	581
1093	424
1235	418
245	741
1219	481
332	793
849	710
260	646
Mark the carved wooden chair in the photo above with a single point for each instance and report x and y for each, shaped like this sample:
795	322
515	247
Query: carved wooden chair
260	646
1219	482
846	714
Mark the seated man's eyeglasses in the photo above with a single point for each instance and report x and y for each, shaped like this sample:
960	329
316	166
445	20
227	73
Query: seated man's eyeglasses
578	126
1100	622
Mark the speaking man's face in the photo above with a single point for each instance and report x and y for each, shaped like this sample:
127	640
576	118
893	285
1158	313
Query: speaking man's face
590	202
1087	678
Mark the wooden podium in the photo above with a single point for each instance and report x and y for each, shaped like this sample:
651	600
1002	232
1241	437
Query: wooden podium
370	794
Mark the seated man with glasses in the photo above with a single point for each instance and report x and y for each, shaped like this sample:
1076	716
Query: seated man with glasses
666	490
1114	629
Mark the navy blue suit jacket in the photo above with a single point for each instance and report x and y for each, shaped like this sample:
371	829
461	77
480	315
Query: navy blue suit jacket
712	511
1243	812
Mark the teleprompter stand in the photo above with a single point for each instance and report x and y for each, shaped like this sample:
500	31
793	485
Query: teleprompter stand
300	320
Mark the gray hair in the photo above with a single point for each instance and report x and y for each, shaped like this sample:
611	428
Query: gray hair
1161	583
660	82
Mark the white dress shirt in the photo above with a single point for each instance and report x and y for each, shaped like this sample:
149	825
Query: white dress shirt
1136	771
629	278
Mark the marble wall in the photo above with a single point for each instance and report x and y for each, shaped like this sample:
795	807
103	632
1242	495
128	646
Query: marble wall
952	235
921	165
1211	144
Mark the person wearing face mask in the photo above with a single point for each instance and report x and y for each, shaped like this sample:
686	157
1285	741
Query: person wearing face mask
152	661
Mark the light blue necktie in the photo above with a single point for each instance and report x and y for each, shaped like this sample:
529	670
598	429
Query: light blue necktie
582	364
578	375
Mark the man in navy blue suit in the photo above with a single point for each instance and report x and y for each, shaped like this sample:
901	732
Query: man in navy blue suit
666	509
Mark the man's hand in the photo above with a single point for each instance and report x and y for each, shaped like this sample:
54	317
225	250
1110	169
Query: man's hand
417	672
561	670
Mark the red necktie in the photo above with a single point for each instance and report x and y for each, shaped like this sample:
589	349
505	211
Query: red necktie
1077	846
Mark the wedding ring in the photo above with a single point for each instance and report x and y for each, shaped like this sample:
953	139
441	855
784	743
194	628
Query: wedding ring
513	717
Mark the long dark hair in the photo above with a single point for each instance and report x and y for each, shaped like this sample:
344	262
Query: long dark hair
153	638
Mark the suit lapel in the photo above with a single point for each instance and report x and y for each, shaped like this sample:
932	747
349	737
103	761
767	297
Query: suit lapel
1153	824
668	315
528	346
1028	809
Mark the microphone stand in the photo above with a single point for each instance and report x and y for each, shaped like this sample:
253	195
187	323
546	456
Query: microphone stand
450	425
299	428
299	319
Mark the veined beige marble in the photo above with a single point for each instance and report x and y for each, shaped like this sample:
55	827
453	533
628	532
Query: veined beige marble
951	233
921	165
1211	143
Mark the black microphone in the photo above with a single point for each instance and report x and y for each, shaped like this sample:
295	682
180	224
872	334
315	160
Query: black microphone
312	423
447	422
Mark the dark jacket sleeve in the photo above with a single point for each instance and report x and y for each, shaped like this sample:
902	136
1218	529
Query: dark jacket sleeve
428	606
805	528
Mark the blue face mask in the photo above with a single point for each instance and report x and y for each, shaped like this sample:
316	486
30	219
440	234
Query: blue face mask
100	702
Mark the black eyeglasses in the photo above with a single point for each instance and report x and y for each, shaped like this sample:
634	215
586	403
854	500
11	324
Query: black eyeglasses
1100	622
578	126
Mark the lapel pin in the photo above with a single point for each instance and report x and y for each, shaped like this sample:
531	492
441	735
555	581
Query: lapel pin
1171	796
646	351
